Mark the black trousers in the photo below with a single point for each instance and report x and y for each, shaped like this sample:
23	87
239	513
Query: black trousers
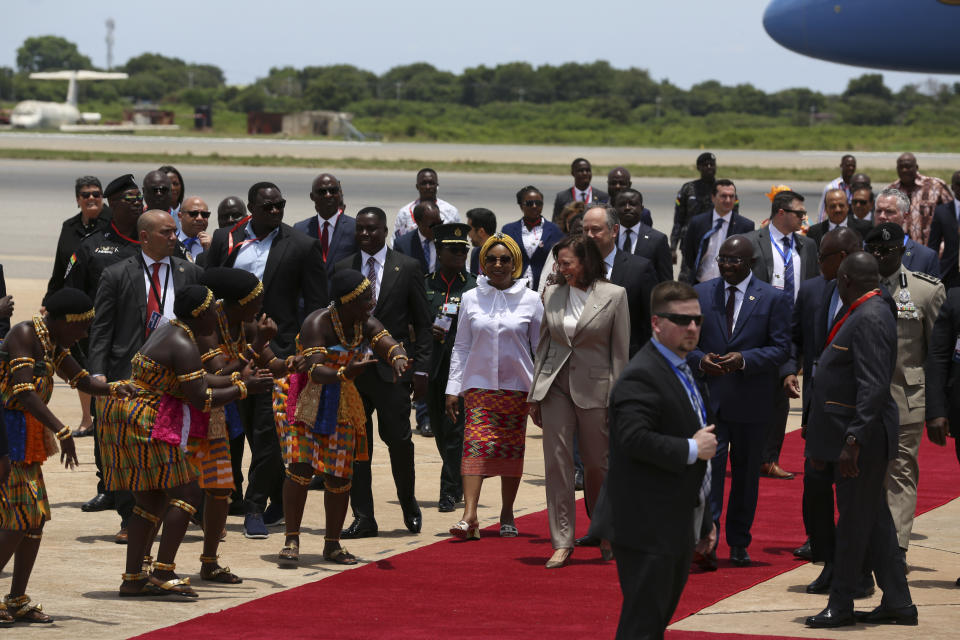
449	437
777	429
651	584
265	477
236	466
866	536
744	442
391	401
818	510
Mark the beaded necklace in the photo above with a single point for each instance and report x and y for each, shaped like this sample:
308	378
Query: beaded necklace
233	347
43	334
183	326
338	329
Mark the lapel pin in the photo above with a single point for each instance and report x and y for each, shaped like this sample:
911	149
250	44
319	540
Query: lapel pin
752	298
181	269
396	268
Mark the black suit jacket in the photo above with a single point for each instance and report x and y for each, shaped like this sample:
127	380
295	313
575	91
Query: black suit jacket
817	231
401	304
294	270
652	245
475	261
343	244
763	254
565	197
71	233
409	245
117	331
851	391
942	371
808	329
698	227
635	274
650	492
944	227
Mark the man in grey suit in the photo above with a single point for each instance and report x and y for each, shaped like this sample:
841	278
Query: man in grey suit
852	428
135	296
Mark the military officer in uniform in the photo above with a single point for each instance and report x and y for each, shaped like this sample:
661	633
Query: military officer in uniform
918	297
445	287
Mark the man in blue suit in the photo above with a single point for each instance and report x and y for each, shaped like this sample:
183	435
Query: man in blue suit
418	243
945	227
335	230
892	206
744	340
534	234
707	231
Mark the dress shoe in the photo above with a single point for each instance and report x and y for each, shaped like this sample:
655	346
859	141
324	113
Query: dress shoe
822	584
361	528
273	515
316	484
804	551
412	518
866	587
831	618
426	430
99	502
882	615
587	541
706	561
121	537
739	557
447	504
774	470
578	480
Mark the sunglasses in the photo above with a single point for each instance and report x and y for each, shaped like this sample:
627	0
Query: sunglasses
533	203
492	260
860	202
737	260
158	189
132	199
279	204
681	319
327	191
456	248
89	194
800	213
198	212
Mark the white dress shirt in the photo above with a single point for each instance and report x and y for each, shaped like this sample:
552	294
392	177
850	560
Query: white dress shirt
405	223
608	262
496	338
165	284
777	281
831	226
379	258
740	292
332	221
252	256
583	196
709	269
634	230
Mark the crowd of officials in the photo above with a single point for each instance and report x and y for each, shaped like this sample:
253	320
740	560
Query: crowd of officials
187	345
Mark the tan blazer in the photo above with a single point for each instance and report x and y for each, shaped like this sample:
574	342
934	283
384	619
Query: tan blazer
598	352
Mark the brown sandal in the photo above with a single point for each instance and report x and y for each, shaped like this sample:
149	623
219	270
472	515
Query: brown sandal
290	553
339	555
177	586
218	574
21	610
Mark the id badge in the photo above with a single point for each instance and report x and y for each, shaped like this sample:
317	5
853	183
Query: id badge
451	308
956	350
156	320
443	322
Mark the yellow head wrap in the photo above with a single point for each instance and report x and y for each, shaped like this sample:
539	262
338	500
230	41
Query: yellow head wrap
512	247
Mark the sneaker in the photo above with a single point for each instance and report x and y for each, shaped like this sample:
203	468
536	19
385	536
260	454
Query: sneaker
273	515
253	527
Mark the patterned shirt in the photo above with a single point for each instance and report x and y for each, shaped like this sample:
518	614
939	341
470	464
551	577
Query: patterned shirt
926	194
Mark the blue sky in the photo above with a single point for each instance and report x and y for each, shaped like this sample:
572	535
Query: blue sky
685	41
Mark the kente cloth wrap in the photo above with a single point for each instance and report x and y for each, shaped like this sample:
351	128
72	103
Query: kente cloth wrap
28	440
494	433
133	460
321	425
23	498
209	459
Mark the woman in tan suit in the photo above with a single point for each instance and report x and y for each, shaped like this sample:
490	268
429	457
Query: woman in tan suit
584	343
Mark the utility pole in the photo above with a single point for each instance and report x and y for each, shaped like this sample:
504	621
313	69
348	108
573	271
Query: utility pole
110	27
658	101
520	93
399	86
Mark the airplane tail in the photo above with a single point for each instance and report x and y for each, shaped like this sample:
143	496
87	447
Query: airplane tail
74	76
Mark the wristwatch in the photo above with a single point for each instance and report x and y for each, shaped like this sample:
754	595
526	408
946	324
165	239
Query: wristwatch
852	440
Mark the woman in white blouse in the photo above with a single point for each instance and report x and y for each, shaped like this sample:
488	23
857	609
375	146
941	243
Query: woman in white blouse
584	345
491	367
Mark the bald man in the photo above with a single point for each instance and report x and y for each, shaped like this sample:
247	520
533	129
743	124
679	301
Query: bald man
193	237
335	230
619	179
925	194
230	211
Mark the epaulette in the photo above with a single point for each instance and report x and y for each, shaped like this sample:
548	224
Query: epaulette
926	276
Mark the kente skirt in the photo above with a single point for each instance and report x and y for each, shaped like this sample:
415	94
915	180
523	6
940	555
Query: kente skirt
23	498
209	460
494	432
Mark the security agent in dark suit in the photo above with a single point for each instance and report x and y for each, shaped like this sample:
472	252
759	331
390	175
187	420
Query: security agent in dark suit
290	265
744	340
659	447
633	273
401	304
483	224
418	244
638	237
892	206
581	191
944	228
122	324
533	233
838	213
707	231
783	257
618	180
852	427
331	226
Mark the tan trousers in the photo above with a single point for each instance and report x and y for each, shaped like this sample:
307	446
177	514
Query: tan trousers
901	481
561	419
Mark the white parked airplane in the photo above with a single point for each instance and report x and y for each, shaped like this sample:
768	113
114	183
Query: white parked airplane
36	114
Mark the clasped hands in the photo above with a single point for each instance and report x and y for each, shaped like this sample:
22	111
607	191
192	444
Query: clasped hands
714	364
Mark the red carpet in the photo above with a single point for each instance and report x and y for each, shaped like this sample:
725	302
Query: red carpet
498	587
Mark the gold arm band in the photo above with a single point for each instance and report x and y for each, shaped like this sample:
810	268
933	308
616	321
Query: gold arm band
342	374
312	351
130	577
235	377
75	380
64	433
310	370
193	375
257	290
399	356
394	347
209	559
292	534
208	404
80	317
23	386
165	566
146	515
377	338
344	489
26	359
113	386
189	508
300	480
59	359
243	388
210	355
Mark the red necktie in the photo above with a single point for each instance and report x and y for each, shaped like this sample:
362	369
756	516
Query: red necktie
325	239
153	296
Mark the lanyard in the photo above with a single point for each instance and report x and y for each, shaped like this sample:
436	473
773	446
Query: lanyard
153	290
788	256
117	231
446	298
230	247
691	391
856	304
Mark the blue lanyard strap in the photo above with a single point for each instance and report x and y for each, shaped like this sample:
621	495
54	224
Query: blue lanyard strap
692	391
785	256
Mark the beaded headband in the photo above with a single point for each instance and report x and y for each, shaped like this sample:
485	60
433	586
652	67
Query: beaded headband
203	305
79	317
257	290
353	295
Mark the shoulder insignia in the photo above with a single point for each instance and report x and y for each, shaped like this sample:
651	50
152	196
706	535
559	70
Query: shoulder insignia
925	276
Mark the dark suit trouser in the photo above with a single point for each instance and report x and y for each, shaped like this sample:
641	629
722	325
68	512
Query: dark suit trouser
778	427
744	441
651	584
236	465
449	437
866	536
818	510
391	401
265	477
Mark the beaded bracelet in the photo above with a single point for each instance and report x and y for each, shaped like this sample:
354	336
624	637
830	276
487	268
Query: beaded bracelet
235	377
342	374
112	388
23	386
243	388
64	433
396	346
193	375
210	355
375	339
310	370
75	380
20	363
399	356
209	402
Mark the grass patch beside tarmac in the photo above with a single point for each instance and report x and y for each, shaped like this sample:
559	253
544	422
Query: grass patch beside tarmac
779	174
